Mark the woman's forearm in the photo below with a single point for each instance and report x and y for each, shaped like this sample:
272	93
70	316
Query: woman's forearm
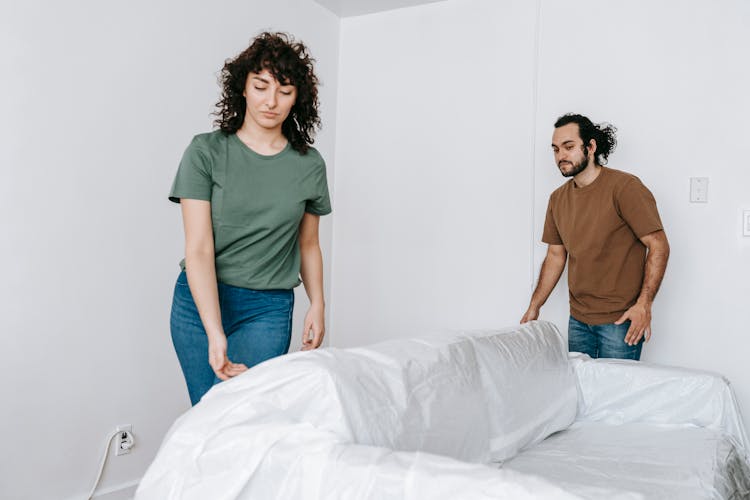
200	265
311	271
201	273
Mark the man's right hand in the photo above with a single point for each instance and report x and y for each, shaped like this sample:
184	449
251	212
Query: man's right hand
532	313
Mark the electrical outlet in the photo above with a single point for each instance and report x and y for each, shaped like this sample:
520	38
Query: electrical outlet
124	441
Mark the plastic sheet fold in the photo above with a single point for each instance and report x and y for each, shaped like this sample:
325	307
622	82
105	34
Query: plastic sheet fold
653	461
470	415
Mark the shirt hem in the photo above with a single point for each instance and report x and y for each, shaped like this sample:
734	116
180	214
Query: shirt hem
598	319
318	212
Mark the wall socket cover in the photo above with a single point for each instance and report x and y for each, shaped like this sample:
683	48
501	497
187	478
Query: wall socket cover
119	450
699	190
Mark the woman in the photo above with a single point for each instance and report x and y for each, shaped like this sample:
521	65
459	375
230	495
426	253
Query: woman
252	194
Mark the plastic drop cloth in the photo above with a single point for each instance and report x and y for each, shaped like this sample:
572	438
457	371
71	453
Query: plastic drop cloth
654	461
655	431
408	419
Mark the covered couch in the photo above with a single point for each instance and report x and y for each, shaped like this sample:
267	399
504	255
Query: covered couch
504	414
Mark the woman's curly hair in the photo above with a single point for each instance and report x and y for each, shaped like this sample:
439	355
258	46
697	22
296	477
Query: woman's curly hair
604	134
289	62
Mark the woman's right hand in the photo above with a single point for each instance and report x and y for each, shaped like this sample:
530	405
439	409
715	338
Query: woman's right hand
217	358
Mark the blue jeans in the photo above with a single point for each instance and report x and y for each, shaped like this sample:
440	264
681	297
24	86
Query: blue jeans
602	341
257	323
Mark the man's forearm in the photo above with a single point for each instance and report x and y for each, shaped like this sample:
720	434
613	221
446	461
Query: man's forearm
549	275
639	314
656	265
552	268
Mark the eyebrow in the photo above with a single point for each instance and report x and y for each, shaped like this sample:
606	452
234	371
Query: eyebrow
267	82
563	143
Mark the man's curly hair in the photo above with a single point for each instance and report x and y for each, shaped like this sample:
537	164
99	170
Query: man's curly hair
604	134
289	62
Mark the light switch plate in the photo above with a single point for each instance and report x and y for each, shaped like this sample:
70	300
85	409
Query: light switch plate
746	223
699	190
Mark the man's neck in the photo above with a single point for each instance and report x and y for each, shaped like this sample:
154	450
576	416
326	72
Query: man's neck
588	175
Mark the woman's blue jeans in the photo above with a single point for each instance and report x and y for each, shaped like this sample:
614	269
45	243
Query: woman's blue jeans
602	341
257	323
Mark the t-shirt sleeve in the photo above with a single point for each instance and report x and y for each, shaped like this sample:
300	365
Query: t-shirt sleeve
193	180
637	206
319	202
551	235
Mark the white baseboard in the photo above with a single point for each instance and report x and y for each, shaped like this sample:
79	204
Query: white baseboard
122	492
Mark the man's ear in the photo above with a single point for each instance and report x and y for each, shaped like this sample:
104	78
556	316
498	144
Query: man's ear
592	147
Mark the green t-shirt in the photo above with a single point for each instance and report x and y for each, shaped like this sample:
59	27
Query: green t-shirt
257	204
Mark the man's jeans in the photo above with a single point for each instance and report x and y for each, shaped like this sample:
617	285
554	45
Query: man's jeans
602	341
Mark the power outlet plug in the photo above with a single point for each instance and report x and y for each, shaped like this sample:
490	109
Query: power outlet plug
124	441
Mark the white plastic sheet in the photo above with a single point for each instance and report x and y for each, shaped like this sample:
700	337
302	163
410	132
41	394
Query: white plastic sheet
657	431
468	397
654	461
423	418
622	391
528	385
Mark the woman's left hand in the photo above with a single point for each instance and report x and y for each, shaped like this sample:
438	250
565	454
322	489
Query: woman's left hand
314	328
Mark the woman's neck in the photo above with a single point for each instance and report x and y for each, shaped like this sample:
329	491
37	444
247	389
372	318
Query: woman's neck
262	140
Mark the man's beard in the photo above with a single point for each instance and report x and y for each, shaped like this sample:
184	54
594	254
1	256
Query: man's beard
577	169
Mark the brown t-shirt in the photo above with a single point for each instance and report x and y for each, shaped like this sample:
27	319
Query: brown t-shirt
600	226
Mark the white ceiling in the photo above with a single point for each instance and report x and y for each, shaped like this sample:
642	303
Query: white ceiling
348	8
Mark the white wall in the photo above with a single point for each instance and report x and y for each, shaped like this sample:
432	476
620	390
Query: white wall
432	226
674	78
443	172
346	8
436	185
98	102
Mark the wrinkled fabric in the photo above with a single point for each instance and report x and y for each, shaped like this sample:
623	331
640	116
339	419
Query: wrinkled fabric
655	461
528	386
417	419
620	391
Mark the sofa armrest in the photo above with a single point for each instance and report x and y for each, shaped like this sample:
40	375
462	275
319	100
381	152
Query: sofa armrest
622	391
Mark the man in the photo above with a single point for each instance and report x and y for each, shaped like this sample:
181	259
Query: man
605	223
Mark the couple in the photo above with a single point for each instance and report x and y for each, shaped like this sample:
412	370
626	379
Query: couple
252	194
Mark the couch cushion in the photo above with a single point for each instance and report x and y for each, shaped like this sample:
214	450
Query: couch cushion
617	391
451	395
596	460
528	384
475	396
414	394
405	395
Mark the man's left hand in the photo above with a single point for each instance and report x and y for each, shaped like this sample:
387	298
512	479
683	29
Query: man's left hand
640	323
